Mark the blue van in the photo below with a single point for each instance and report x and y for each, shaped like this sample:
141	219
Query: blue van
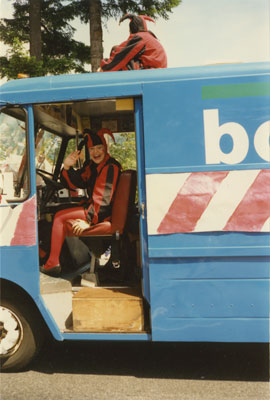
191	215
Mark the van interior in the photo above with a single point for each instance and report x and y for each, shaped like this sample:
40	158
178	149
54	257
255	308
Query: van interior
100	286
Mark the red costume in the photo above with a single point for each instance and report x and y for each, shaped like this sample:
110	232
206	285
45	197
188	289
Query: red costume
100	181
141	50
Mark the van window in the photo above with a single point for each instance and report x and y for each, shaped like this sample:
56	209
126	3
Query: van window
14	166
47	150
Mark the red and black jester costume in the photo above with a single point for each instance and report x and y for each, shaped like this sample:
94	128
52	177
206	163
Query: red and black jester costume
100	181
142	50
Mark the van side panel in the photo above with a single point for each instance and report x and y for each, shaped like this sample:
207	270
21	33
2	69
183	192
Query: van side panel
222	299
208	208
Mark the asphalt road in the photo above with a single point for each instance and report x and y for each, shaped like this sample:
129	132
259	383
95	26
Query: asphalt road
143	371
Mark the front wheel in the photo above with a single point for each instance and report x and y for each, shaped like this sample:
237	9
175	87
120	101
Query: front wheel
20	336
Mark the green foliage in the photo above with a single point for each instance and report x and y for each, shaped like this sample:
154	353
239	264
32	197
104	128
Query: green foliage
116	8
124	150
60	52
71	146
18	61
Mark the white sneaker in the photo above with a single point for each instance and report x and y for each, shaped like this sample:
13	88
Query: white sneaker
104	258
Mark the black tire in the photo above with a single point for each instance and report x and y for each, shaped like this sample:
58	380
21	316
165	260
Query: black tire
29	339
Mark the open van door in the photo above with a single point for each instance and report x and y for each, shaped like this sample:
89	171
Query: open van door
142	197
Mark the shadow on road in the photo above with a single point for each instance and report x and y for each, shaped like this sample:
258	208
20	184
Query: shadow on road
218	361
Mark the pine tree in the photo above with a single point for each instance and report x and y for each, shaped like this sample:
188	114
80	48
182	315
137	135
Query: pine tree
57	52
35	28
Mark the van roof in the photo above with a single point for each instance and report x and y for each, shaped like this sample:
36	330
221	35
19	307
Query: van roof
114	84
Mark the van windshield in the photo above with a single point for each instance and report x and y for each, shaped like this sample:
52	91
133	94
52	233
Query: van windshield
14	171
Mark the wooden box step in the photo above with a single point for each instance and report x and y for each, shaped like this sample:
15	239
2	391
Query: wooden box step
107	310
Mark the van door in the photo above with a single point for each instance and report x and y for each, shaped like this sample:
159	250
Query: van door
18	236
142	197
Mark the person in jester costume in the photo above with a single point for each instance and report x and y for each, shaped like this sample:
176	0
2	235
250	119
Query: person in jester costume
99	176
142	49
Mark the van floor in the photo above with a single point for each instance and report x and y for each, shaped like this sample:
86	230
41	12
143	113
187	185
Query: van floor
77	308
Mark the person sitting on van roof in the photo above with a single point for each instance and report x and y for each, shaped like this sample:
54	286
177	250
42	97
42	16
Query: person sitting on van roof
142	50
99	176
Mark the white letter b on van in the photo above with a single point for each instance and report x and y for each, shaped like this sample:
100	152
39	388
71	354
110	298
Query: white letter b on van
212	135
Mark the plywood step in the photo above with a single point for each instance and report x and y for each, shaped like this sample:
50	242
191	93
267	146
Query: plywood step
108	310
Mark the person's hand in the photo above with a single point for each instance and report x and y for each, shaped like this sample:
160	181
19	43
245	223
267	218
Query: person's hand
79	226
71	159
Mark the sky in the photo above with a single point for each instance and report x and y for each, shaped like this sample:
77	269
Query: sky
198	32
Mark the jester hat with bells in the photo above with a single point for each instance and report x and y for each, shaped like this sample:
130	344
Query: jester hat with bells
137	22
92	139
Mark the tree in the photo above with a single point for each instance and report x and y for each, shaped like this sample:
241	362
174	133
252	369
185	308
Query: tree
94	11
35	28
124	150
96	48
59	52
17	61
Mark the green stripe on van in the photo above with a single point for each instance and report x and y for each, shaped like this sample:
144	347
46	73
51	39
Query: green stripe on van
237	90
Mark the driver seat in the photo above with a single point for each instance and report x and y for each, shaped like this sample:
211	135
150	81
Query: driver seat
122	208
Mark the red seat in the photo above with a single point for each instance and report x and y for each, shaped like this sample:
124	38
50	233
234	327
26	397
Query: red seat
122	204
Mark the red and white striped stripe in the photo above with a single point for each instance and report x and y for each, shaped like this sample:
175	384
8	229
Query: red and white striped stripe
18	224
208	201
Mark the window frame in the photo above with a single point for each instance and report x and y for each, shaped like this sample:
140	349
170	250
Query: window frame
26	167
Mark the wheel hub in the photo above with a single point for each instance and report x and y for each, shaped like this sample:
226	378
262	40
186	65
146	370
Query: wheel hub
11	332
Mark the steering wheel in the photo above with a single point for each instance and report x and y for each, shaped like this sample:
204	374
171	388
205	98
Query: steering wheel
49	181
51	186
42	171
